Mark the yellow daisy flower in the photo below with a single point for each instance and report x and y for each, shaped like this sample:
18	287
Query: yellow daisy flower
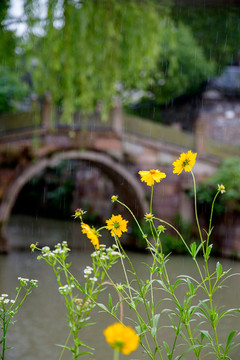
152	175
185	162
117	225
122	338
91	233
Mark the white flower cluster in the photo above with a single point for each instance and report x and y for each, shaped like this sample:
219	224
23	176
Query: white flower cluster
25	282
59	249
65	289
110	253
4	299
88	271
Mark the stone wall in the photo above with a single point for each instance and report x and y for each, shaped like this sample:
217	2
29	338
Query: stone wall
220	116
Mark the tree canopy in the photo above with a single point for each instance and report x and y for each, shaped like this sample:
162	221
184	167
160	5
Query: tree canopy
87	52
88	48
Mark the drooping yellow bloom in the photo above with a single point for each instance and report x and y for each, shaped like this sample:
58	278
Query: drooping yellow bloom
122	338
185	162
117	225
152	175
91	233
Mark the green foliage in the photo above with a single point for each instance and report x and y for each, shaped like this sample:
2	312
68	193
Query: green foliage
228	174
171	244
12	89
82	51
216	29
182	67
10	307
79	308
185	305
7	37
94	46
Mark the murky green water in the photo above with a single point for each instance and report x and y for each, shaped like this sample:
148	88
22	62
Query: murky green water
41	321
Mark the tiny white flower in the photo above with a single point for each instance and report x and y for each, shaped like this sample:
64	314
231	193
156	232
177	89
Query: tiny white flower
87	271
46	248
4	295
94	254
221	188
93	279
116	253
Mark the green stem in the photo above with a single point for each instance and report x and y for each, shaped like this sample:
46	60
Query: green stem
195	210
211	215
116	355
4	335
144	302
134	217
209	290
66	342
151	201
171	226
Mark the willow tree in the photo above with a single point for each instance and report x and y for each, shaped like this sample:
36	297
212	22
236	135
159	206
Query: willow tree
83	50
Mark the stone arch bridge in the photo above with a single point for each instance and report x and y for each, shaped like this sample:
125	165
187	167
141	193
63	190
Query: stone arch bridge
120	147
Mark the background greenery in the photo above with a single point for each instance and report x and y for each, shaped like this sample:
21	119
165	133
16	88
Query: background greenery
87	53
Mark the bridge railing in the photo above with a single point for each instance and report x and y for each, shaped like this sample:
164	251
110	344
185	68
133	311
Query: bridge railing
221	150
31	123
155	131
20	121
170	135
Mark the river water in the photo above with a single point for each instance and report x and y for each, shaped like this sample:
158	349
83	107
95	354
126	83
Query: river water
40	324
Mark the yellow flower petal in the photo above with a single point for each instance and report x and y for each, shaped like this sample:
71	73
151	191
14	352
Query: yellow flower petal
122	338
149	177
91	234
185	162
117	225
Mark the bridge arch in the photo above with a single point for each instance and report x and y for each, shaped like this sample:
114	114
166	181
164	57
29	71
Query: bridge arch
128	187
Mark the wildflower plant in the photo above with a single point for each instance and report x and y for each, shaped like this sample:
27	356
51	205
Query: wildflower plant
80	297
185	305
10	307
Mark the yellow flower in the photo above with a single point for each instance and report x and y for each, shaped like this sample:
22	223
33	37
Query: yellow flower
122	338
185	161
91	233
152	175
148	216
114	198
117	225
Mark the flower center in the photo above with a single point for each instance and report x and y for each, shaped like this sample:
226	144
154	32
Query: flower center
152	172
118	344
116	225
186	162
